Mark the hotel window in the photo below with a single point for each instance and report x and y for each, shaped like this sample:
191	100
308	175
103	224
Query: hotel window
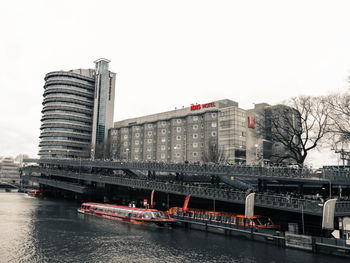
125	143
178	138
195	126
136	142
137	135
213	133
162	156
213	124
213	115
179	120
178	146
136	150
149	149
163	123
195	135
195	118
137	128
149	140
150	125
125	136
195	154
195	145
163	131
163	139
149	133
162	147
178	129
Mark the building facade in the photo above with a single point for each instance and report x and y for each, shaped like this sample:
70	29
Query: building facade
9	171
218	131
77	112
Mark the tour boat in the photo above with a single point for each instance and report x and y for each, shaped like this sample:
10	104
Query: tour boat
36	193
257	221
125	213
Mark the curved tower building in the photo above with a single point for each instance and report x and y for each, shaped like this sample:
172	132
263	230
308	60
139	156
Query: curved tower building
69	111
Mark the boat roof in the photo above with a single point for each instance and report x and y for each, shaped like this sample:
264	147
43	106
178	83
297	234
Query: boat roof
121	206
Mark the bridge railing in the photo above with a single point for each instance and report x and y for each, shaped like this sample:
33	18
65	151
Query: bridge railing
333	176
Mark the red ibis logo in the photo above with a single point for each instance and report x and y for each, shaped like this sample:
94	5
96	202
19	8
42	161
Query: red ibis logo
204	106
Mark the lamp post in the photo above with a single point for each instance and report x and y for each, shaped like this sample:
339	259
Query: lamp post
256	152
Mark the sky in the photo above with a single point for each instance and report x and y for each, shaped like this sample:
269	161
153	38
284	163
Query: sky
170	54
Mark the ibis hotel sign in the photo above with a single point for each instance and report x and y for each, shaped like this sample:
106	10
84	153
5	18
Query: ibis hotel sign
202	106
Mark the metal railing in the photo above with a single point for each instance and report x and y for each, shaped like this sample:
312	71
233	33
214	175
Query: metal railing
239	171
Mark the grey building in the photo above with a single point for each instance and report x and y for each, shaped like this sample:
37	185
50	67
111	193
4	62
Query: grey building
209	131
77	112
9	171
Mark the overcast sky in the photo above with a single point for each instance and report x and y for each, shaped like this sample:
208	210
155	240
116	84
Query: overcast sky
170	54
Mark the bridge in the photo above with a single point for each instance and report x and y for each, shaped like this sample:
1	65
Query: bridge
14	185
76	175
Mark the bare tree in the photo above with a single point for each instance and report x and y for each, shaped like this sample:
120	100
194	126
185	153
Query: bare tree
340	118
214	154
299	126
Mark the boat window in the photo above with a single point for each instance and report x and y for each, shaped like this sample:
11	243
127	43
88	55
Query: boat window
147	215
238	221
158	214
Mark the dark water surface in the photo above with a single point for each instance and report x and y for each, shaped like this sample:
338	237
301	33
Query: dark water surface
40	230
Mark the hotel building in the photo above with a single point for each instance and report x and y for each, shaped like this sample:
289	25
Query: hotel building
78	109
192	134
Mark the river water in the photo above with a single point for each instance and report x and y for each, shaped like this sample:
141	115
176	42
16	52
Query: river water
46	230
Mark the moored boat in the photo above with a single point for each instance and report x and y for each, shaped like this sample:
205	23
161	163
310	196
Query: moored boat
257	221
125	213
35	193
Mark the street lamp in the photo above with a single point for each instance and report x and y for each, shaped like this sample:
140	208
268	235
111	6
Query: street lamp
256	152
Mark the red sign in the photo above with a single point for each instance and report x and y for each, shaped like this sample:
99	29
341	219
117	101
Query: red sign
251	122
204	106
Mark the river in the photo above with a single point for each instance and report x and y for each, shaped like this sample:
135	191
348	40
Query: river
47	230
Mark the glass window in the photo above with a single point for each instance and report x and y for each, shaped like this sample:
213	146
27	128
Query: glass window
195	126
195	118
136	150
213	133
178	138
178	146
137	135
150	125
195	135
162	147
163	123
137	142
195	154
162	156
213	124
125	136
149	148
125	143
177	155
213	115
149	133
149	157
149	140
163	131
163	139
178	129
179	120
137	128
195	145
